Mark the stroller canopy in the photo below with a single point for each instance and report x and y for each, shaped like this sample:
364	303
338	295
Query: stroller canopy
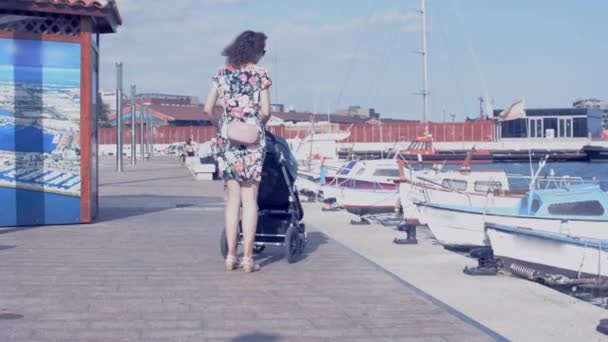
277	147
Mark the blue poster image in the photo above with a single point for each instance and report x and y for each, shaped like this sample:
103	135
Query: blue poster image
39	132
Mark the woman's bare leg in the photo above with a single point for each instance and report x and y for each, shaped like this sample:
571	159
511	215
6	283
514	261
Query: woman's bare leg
249	196
232	214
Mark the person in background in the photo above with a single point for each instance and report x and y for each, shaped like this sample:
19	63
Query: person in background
205	150
188	151
322	172
207	155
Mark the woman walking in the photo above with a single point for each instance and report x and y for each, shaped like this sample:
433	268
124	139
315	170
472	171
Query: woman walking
242	88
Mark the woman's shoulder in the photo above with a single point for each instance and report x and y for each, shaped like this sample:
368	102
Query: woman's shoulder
262	69
256	68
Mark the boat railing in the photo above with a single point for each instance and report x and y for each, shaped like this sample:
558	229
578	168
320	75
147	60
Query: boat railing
449	188
552	181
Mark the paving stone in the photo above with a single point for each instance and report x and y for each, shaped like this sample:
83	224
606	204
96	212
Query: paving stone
146	271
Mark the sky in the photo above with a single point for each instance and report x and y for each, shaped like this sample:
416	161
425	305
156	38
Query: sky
324	55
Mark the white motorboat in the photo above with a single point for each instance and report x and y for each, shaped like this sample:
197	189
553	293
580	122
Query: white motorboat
461	186
463	225
364	187
566	235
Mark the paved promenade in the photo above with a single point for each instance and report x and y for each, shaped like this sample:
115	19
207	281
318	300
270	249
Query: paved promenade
150	269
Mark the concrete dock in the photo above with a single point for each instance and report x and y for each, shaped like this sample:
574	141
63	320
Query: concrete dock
518	309
149	269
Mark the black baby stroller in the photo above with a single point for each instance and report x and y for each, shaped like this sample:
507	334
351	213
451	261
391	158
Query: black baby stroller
279	207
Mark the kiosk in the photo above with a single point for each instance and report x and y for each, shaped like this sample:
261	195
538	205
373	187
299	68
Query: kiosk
49	76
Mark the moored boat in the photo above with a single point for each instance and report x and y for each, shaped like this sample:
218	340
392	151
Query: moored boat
364	187
596	153
549	252
576	209
421	150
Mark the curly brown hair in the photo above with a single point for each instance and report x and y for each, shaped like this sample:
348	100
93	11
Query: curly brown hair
248	47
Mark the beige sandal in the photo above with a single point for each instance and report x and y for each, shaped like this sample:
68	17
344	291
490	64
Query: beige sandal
232	262
249	266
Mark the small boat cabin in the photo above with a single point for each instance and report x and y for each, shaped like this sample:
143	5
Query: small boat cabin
581	200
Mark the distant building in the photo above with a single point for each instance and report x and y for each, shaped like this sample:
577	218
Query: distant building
277	107
167	99
554	123
359	111
168	115
109	97
594	103
290	118
279	118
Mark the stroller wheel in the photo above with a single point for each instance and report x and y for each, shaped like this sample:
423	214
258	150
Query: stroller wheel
257	249
224	244
292	244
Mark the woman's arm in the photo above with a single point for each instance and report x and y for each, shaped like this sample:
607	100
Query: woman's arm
265	105
210	104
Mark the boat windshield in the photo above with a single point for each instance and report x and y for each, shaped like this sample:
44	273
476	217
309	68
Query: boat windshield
487	186
346	170
527	208
387	172
581	208
454	184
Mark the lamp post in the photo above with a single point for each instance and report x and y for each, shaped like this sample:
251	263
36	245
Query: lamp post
151	139
133	130
149	142
142	115
119	164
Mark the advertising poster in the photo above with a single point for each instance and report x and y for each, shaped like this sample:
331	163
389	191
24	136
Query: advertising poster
39	132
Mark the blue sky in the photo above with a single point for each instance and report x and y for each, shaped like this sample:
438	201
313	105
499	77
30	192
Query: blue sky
331	54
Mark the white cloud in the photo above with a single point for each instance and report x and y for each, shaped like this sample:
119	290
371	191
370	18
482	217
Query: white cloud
408	22
343	57
412	28
392	17
307	30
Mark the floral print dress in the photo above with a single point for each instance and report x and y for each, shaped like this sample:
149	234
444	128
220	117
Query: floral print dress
239	93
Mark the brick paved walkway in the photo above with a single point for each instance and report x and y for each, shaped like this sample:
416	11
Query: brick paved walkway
150	270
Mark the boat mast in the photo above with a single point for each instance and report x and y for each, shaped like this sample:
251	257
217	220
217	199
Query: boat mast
425	90
312	136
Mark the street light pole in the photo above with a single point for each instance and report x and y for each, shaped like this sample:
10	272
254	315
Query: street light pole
149	130
133	130
142	114
151	139
119	164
